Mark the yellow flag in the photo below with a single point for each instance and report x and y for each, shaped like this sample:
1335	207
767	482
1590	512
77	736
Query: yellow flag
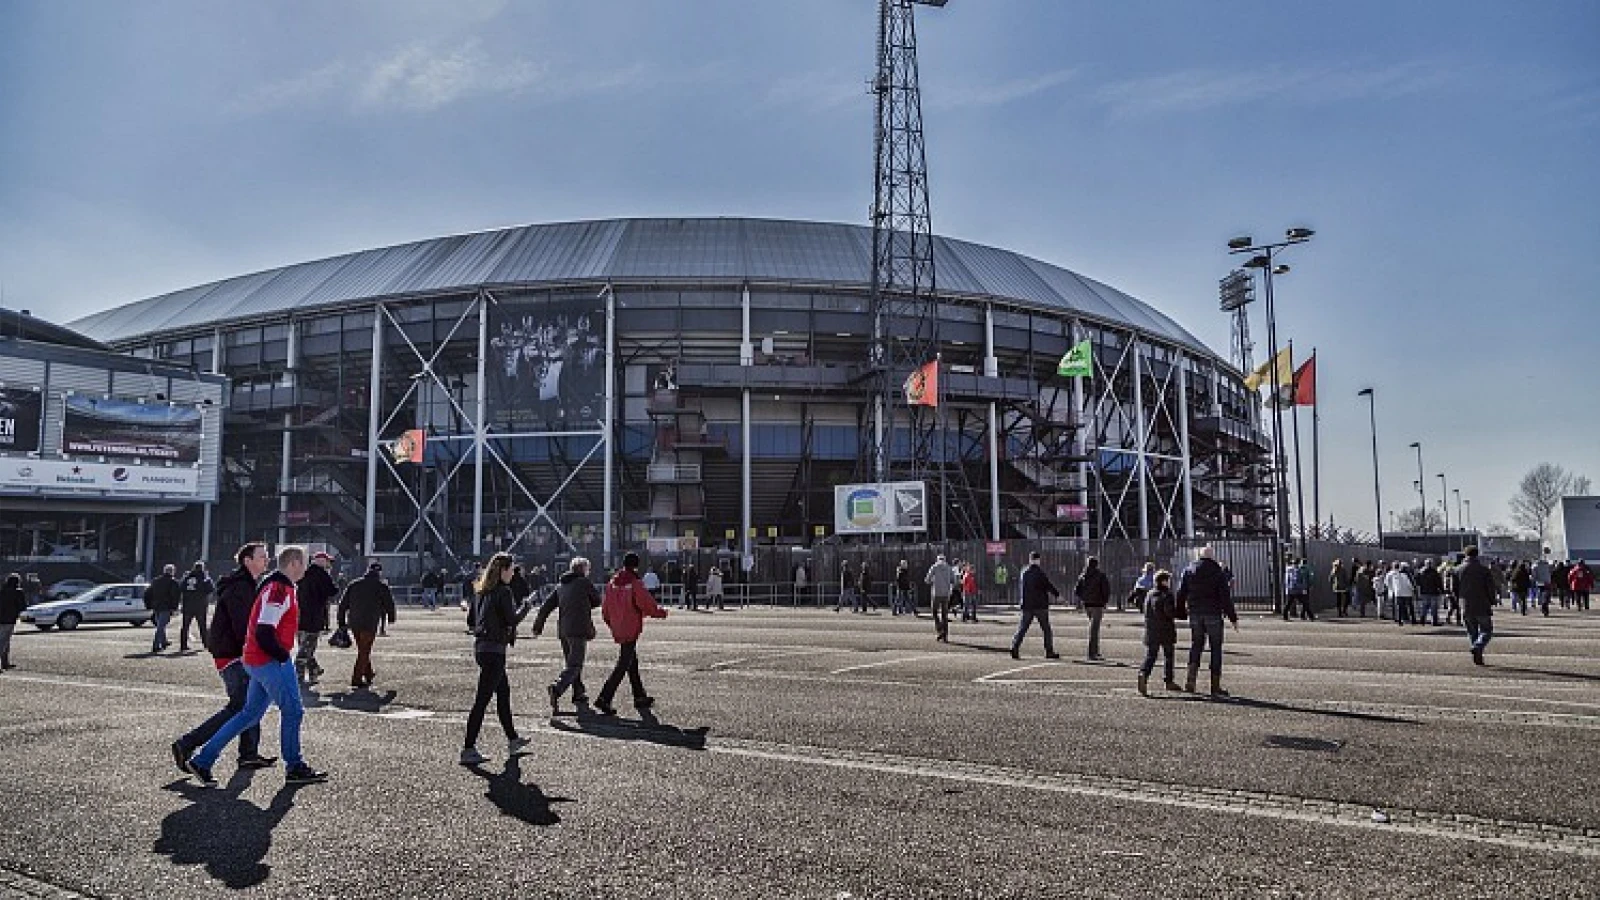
1263	374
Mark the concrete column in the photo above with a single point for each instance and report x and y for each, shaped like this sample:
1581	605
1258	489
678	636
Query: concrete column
479	431
286	469
1144	441
606	541
745	523
991	369
374	396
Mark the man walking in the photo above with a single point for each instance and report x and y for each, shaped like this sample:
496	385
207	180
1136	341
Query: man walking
904	600
1401	592
13	600
576	599
1093	591
940	577
1475	586
1541	584
432	584
274	619
1204	598
315	592
162	597
367	604
195	592
626	605
1430	588
1037	592
236	594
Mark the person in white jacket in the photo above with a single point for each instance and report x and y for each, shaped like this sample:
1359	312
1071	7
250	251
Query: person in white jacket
714	587
1402	591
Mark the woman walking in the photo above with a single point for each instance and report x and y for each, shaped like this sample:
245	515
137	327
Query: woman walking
495	616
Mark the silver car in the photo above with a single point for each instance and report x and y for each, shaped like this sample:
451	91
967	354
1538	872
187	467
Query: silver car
106	603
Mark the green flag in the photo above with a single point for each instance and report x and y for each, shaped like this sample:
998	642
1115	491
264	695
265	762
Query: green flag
1078	362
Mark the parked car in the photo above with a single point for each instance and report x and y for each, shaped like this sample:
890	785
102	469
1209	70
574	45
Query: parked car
69	587
103	603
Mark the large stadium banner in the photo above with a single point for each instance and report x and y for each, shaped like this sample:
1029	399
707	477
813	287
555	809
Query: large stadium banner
546	365
21	411
880	508
102	426
58	477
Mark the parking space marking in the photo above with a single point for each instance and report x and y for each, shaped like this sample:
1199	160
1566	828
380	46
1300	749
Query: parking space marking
886	662
999	675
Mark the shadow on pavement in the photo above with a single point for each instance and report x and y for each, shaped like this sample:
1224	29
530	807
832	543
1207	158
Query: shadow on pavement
352	700
1311	710
984	647
227	834
1550	673
646	728
522	801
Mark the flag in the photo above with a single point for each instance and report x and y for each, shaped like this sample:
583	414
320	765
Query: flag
407	448
1305	383
1078	361
1263	374
922	385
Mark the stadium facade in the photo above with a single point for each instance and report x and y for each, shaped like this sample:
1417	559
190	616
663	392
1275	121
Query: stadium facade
733	354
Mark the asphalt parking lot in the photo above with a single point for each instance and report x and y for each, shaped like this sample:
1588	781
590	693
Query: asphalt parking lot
808	753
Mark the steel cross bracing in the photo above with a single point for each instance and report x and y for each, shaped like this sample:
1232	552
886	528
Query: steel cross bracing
1135	414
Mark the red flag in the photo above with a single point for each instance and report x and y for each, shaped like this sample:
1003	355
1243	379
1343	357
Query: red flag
922	385
1305	383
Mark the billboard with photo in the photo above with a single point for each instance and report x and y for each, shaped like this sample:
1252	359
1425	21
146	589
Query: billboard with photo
21	412
546	365
880	508
106	426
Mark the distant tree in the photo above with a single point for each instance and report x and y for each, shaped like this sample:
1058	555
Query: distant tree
1501	529
1412	520
1540	492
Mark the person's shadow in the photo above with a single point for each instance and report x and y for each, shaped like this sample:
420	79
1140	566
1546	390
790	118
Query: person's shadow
219	829
522	801
355	701
646	728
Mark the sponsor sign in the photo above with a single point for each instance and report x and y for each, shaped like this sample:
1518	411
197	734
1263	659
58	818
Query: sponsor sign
995	548
51	476
672	544
1072	512
1580	519
880	508
106	426
20	416
546	365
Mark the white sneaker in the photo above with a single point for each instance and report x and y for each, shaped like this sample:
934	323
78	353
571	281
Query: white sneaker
471	757
517	746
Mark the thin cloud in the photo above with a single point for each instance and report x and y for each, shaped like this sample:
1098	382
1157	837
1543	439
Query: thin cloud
1202	90
817	92
979	96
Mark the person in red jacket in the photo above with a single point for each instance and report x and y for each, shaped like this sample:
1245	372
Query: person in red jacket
626	604
1581	579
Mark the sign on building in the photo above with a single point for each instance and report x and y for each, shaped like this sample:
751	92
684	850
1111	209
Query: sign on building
20	415
880	507
106	426
58	477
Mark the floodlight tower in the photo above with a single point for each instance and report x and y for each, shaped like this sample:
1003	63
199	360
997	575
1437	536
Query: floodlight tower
905	322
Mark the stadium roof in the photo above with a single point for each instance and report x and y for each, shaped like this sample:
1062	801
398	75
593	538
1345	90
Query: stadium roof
687	250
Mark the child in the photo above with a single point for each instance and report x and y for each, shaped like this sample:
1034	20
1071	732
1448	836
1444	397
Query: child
1161	616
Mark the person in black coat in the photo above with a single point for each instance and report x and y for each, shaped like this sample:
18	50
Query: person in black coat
1204	598
495	616
1037	592
13	600
576	599
236	595
1475	586
195	590
367	604
1093	591
315	592
163	597
1160	630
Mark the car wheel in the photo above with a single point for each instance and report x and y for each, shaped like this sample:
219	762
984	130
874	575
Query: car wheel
69	621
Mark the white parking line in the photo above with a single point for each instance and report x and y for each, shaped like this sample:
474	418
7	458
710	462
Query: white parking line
886	662
994	675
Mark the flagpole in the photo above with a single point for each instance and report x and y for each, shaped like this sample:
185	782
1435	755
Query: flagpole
944	449
1316	447
1299	485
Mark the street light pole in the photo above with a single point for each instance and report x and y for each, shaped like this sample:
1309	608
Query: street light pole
1377	494
1469	513
1461	521
1444	501
1422	487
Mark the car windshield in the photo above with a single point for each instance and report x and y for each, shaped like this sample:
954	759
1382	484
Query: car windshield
103	592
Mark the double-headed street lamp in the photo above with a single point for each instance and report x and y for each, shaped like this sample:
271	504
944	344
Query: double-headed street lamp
1422	488
1444	501
1461	521
1377	494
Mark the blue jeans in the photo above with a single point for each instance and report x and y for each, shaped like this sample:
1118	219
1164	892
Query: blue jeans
1095	614
159	642
1430	608
1029	616
1479	631
273	684
573	651
969	607
237	683
1204	630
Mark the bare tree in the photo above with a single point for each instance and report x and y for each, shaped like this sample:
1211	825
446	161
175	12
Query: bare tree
1539	494
1501	529
1412	520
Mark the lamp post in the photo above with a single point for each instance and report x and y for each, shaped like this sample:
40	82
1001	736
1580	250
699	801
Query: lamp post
1469	513
1444	501
1422	488
1261	257
1461	521
1377	494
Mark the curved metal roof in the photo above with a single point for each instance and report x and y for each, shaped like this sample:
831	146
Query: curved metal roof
720	249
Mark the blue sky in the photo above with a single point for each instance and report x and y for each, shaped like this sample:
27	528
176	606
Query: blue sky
1445	152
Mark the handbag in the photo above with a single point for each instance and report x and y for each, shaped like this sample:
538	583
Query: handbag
340	638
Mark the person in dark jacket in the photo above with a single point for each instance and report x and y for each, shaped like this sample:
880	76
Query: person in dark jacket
691	586
1430	588
13	600
1476	588
1037	592
904	600
1204	598
1093	591
432	583
163	597
316	591
367	604
236	595
195	592
576	598
1160	630
496	615
521	588
864	588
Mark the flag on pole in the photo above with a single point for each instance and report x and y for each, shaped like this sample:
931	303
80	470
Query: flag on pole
1305	383
922	385
1263	373
407	448
1078	361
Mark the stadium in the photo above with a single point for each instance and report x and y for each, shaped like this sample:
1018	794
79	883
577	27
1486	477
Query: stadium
732	353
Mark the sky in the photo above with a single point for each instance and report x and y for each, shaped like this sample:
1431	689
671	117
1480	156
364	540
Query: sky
1445	152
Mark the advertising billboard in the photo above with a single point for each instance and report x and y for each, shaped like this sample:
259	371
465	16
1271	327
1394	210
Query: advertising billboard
21	412
106	426
546	365
1580	519
57	477
880	508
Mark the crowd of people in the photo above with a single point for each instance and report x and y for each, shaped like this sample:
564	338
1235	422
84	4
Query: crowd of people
1415	593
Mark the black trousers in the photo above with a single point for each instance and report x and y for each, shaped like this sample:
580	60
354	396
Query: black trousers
627	664
183	633
492	682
